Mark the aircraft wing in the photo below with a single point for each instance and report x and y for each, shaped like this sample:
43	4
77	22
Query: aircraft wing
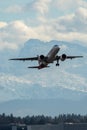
72	57
64	57
23	59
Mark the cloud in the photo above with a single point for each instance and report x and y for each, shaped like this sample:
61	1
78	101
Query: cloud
38	6
75	22
2	24
69	27
14	9
69	5
6	45
14	34
81	19
42	6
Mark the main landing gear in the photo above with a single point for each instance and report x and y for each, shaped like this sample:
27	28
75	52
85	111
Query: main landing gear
57	64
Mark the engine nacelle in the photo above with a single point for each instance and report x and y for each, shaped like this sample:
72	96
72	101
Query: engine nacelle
42	57
63	57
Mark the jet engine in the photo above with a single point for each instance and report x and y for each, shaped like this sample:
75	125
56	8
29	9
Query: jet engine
63	57
42	62
42	57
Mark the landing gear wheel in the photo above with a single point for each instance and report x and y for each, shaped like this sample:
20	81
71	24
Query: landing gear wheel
57	59
57	64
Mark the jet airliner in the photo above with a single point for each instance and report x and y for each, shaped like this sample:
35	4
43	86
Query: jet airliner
52	56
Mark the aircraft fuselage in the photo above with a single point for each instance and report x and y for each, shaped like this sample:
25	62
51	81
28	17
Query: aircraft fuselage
49	58
53	52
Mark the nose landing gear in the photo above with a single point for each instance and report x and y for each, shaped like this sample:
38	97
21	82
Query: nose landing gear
57	64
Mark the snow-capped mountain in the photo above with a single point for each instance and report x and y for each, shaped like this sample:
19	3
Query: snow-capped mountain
68	81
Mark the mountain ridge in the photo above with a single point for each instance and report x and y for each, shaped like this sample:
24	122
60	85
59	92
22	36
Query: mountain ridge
50	107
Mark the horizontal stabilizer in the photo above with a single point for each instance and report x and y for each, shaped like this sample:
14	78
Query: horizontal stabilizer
33	67
38	67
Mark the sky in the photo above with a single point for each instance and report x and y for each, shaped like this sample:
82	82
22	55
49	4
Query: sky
46	20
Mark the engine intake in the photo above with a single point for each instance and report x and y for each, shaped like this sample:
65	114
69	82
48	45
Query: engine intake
63	57
42	57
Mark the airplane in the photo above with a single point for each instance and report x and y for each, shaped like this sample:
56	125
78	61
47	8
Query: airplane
52	56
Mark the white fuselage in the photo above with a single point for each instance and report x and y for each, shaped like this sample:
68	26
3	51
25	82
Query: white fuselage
53	52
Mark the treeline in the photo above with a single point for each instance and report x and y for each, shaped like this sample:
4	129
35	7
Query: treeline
33	120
